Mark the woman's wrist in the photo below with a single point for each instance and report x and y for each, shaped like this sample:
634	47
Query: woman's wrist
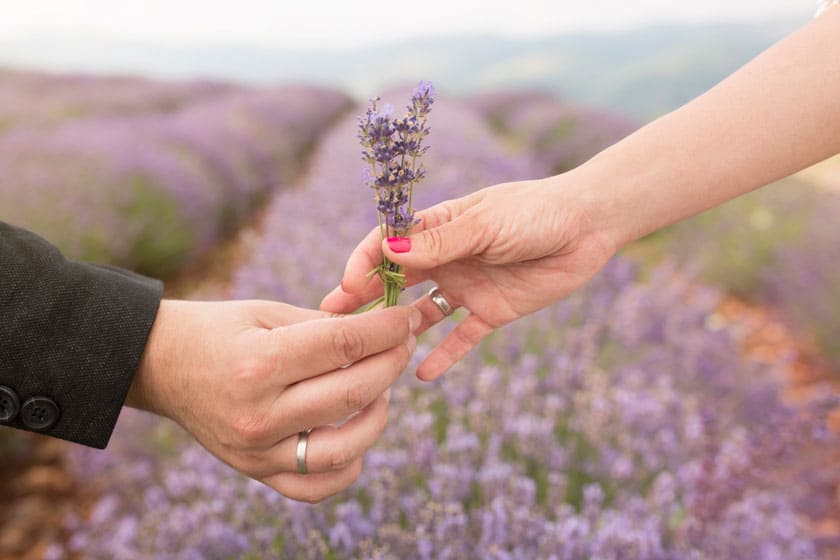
585	209
597	215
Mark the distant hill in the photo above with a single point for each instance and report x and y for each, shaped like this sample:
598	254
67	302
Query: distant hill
641	72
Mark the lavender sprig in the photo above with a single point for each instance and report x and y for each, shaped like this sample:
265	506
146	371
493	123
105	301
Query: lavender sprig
392	148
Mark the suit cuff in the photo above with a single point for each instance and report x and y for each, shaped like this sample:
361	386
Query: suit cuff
71	339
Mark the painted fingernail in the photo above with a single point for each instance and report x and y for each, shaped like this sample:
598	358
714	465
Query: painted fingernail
412	343
399	244
414	319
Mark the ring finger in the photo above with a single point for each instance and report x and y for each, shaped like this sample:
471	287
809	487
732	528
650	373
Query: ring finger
431	311
330	448
313	488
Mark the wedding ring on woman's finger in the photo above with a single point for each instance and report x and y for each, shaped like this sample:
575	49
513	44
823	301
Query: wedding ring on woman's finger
440	301
303	442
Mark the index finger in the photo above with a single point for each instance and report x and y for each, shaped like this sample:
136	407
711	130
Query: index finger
310	348
365	257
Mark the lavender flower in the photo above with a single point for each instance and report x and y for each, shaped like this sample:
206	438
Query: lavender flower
392	148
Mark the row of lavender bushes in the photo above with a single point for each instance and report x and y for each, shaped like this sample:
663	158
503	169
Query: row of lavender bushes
152	190
622	423
44	99
777	246
561	135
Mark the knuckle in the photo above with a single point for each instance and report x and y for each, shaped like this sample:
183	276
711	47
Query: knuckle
434	241
357	396
348	345
340	459
401	358
251	464
252	371
249	428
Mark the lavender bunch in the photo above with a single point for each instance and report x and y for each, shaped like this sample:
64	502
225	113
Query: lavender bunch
392	148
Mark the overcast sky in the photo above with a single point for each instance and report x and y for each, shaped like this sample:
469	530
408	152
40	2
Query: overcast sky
348	23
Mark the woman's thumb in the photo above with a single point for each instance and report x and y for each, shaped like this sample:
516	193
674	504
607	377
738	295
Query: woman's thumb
433	247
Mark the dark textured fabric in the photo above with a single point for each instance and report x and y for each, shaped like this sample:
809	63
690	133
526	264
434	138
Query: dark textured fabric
72	332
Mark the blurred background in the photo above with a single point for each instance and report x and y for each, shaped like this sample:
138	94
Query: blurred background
640	59
679	407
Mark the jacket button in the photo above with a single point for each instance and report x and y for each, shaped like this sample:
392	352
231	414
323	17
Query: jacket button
9	404
39	413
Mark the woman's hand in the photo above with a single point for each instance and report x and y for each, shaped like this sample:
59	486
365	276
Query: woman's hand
502	253
509	250
245	377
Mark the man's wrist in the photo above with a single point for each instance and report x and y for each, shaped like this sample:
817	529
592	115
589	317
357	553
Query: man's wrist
147	388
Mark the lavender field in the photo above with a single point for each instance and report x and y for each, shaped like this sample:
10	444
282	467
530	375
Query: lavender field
622	423
157	175
777	247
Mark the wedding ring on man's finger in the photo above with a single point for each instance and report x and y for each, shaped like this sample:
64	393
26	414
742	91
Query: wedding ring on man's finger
303	442
441	302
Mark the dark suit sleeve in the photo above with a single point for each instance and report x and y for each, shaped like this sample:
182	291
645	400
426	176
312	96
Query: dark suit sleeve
71	339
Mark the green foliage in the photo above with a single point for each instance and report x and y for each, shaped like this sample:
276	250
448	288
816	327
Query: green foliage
441	413
736	245
164	239
562	130
94	247
774	247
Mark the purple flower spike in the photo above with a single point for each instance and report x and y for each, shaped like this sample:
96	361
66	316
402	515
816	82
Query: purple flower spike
392	148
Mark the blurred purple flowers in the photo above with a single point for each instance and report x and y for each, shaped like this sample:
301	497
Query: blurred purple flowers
615	425
391	148
150	189
560	134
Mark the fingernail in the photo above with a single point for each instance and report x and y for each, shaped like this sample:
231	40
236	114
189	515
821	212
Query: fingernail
399	244
412	343
387	395
414	319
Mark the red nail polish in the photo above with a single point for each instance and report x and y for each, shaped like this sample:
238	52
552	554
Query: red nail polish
399	244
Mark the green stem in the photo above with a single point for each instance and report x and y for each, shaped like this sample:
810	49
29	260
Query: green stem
393	280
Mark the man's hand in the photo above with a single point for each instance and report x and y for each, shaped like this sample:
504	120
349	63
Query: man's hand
245	377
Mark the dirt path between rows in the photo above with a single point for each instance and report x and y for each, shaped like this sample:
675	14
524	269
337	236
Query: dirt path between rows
766	339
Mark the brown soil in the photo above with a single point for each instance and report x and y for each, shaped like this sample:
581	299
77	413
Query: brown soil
766	339
37	492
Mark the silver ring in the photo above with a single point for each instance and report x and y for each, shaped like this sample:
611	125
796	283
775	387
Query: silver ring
438	299
303	441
